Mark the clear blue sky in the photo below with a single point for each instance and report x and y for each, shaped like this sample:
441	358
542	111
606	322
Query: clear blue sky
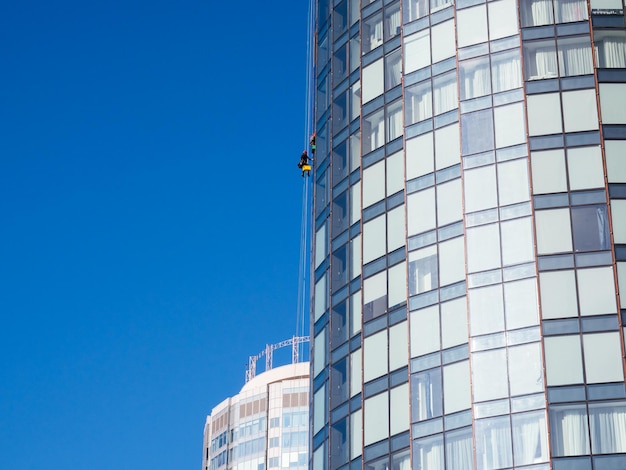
150	212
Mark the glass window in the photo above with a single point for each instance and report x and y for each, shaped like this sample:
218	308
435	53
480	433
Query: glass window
340	19
608	427
355	207
444	93
474	76
548	171
493	443
395	173
502	19
338	441
338	382
603	358
397	284
340	64
321	244
339	322
540	59
339	158
436	5
319	409
453	323
506	70
513	181
372	33
375	296
483	248
580	111
615	151
319	352
374	184
610	48
544	114
480	189
355	373
372	82
459	454
339	268
355	53
340	214
613	103
426	395
416	51
356	441
530	438
520	304
321	296
418	102
375	350
554	231
355	101
424	331
567	11
585	168
472	25
393	69
373	131
452	261
563	360
443	41
376	412
355	150
536	12
398	350
510	123
489	372
428	453
486	310
399	413
356	318
392	20
395	228
355	257
447	146
618	216
456	387
323	93
374	245
569	431
477	132
420	156
423	274
591	228
525	369
449	202
558	294
355	10
575	55
421	211
394	120
517	241
414	9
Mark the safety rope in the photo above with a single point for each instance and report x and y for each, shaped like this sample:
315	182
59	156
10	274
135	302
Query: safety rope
305	235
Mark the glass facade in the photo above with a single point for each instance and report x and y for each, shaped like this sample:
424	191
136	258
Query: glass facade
469	235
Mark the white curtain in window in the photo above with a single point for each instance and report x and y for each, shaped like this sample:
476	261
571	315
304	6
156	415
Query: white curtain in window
394	123
542	62
536	12
575	59
530	443
439	4
475	80
376	35
570	10
611	52
459	453
608	428
427	390
506	70
393	71
419	104
569	431
429	455
393	23
445	98
493	446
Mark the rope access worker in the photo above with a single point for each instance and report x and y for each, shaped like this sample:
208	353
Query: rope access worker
304	164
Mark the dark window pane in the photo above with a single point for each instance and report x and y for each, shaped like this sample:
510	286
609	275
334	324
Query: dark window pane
591	228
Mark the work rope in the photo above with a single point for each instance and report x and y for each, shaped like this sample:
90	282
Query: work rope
305	235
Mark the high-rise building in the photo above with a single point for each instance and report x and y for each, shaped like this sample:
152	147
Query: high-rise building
469	222
266	425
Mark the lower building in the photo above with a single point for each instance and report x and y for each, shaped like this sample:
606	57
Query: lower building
264	426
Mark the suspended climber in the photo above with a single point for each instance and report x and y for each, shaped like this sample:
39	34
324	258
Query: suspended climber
305	160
